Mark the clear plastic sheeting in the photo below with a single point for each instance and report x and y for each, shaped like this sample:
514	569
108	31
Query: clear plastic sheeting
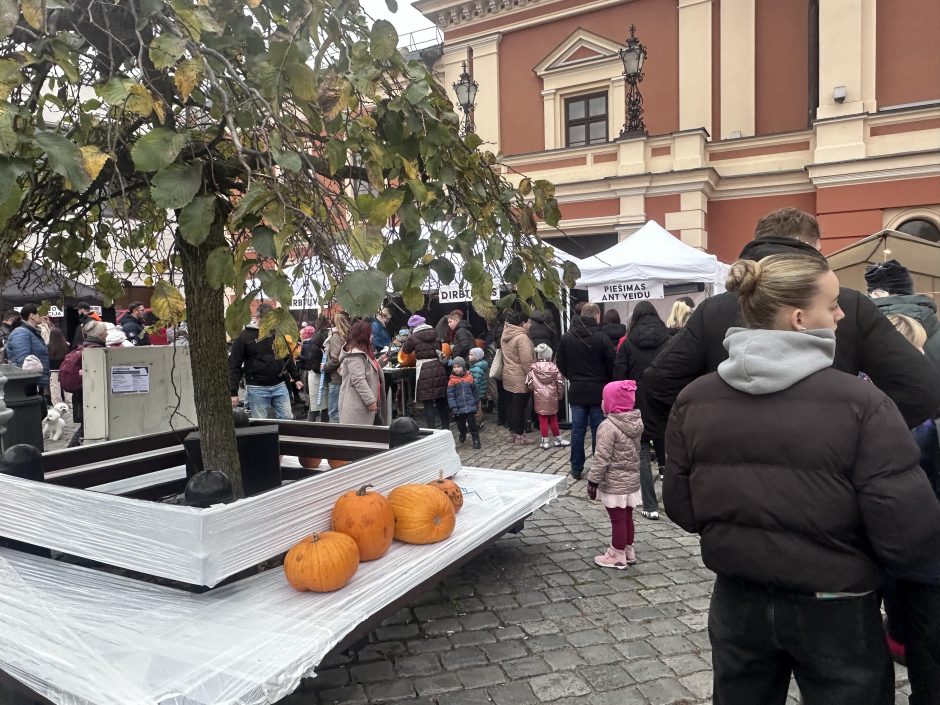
79	636
204	546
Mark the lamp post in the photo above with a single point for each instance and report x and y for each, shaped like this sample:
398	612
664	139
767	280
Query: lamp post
633	55
466	90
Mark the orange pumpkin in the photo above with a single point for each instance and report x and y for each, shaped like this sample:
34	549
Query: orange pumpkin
323	562
423	514
446	349
368	518
310	463
450	488
407	359
333	463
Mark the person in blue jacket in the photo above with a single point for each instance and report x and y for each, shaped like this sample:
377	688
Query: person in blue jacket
464	401
380	337
27	340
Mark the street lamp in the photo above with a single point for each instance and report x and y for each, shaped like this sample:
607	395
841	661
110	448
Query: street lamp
633	56
466	90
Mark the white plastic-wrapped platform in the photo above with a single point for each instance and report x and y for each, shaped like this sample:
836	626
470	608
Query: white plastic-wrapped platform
79	636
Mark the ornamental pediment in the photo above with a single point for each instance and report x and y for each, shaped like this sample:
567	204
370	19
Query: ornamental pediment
579	48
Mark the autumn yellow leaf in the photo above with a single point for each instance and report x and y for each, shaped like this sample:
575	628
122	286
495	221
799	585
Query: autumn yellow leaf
93	159
160	110
139	100
34	12
187	76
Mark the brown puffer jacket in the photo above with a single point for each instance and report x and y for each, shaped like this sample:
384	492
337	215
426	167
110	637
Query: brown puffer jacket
432	380
547	386
811	488
518	355
616	465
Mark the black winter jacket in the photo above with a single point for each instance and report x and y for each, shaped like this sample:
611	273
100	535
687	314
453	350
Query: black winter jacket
814	488
542	330
134	330
614	331
311	352
432	377
463	341
255	360
865	342
586	358
648	336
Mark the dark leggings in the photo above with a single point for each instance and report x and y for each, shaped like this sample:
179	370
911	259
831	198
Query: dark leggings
440	407
517	404
621	527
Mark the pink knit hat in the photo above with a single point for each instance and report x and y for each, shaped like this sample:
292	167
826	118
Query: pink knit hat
619	396
307	332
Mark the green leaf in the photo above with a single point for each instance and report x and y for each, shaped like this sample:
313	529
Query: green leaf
9	16
513	270
336	154
302	81
157	149
288	160
176	185
262	242
365	243
384	40
65	158
220	269
391	5
12	198
238	313
473	140
551	213
362	292
525	287
444	269
277	286
570	273
413	298
280	323
384	207
115	91
148	8
251	203
166	49
196	219
167	303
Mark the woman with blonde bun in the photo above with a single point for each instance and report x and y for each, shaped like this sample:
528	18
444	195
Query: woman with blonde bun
804	486
679	315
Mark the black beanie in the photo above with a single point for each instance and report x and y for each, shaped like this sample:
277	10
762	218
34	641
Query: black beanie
891	276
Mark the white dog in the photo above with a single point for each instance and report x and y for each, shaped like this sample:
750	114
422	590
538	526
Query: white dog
54	423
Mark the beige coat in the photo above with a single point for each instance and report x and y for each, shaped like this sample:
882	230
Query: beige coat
518	356
362	386
616	466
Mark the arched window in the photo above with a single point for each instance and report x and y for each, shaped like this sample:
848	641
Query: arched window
922	228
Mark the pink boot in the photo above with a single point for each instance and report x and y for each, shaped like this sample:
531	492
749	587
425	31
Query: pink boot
612	558
630	555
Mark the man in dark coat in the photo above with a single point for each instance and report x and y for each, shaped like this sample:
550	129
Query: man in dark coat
462	340
132	323
11	319
586	359
866	340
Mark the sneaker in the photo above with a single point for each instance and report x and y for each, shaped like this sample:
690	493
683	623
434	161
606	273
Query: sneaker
653	516
630	555
544	444
462	438
576	474
561	442
612	558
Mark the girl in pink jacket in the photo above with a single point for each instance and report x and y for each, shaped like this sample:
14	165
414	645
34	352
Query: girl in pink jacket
547	385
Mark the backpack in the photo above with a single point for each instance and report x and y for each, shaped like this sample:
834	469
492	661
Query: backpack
70	371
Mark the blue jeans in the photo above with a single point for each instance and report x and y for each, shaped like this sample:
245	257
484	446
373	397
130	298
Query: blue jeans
580	415
261	398
334	402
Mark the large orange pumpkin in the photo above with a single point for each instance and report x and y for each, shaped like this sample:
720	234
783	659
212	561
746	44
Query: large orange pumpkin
333	463
323	562
310	463
368	518
446	349
423	514
450	488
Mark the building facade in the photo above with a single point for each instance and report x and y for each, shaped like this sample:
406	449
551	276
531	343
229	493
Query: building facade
831	106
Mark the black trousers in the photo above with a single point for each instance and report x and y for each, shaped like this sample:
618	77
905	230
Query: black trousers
515	419
835	648
467	421
502	403
914	619
436	408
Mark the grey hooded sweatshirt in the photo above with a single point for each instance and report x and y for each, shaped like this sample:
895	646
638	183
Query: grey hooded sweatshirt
767	361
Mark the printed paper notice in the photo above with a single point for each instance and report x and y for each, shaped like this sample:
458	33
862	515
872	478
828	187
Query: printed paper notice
130	379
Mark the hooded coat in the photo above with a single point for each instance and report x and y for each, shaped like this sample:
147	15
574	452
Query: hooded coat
867	342
362	386
547	386
616	466
646	338
614	331
923	310
424	344
26	340
796	475
462	395
586	359
481	375
255	360
518	356
462	341
542	329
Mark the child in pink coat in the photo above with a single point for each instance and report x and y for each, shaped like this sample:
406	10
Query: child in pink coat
614	477
547	385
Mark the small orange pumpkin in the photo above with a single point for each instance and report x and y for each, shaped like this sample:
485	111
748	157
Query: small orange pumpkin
423	514
446	349
450	488
310	463
407	359
333	463
323	562
368	518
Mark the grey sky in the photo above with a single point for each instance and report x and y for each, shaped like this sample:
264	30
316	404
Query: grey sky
406	20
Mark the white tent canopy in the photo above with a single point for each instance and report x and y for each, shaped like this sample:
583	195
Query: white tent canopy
652	254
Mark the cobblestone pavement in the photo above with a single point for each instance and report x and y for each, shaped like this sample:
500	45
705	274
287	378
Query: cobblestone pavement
533	620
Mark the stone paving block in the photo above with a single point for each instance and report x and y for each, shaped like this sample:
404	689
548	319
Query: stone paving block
478	696
325	679
569	625
463	657
695	622
641	614
441	627
565	592
526	667
607	677
500	602
519	615
480	620
540	627
397	632
511	632
419	664
437	684
665	691
560	609
348	695
558	685
687	664
700	639
505	651
546	642
672	645
402	616
564	659
482	676
595	589
513	694
372	672
699	684
666	627
600	654
474	638
628	631
589	637
648	669
425	644
469	605
391	691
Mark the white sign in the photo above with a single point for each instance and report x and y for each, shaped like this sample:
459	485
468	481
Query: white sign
55	312
96	309
131	379
303	303
625	291
456	293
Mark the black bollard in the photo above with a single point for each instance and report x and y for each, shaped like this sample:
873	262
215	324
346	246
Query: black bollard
241	417
23	461
208	487
402	431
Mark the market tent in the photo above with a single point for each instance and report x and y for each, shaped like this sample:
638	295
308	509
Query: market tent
33	283
652	254
921	257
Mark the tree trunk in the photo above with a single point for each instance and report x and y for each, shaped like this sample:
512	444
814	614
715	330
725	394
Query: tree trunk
205	315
